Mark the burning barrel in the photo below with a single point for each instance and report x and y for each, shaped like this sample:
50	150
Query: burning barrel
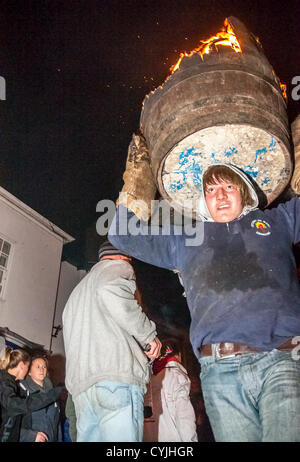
221	104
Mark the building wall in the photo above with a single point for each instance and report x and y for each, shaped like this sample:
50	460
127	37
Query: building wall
28	302
70	276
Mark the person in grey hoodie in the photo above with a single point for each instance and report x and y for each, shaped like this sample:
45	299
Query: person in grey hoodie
108	342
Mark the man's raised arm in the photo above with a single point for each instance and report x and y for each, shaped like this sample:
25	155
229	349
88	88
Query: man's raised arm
134	205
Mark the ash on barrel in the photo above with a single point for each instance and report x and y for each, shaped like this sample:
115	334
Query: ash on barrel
223	103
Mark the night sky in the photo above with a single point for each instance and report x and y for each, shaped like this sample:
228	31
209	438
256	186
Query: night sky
76	75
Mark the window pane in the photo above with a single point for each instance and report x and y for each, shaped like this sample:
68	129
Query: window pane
6	248
3	260
1	242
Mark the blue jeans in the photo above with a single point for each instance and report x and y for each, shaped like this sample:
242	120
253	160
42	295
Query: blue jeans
253	397
110	412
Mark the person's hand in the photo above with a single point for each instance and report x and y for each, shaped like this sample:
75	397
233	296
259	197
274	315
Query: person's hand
295	181
154	350
41	437
139	187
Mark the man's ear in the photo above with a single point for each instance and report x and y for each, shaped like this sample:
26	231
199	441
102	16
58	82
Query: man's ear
21	365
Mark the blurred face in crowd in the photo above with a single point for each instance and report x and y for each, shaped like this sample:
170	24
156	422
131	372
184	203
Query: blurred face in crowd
38	371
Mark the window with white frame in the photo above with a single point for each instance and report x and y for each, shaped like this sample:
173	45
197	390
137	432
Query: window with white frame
5	254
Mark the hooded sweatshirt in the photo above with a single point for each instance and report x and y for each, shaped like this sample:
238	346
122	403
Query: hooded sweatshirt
240	279
105	329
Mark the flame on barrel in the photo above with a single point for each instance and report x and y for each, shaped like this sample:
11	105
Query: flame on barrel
283	90
226	37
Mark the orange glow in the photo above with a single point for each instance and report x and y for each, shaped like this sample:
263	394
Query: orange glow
283	90
226	38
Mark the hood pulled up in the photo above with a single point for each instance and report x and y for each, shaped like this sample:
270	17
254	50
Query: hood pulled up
203	211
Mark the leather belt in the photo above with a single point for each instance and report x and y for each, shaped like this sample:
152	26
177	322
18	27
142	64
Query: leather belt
225	349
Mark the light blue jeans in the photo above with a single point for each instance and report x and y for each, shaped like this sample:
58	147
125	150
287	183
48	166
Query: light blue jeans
253	397
110	412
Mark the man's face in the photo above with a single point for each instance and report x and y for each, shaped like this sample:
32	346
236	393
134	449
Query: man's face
223	201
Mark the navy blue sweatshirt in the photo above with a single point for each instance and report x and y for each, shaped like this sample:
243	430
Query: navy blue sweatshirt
241	281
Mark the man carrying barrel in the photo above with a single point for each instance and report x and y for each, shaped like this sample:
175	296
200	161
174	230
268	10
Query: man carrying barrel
242	291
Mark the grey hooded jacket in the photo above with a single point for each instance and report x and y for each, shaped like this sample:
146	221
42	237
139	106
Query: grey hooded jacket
105	329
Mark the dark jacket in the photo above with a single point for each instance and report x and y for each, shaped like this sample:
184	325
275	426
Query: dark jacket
16	403
44	420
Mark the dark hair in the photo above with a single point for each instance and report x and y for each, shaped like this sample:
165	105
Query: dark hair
218	173
41	356
16	356
170	344
107	250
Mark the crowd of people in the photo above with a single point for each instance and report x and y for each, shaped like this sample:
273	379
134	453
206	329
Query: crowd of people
111	348
112	351
242	291
29	403
243	294
31	406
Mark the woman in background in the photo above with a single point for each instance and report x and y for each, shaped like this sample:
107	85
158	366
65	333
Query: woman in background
15	401
41	425
4	361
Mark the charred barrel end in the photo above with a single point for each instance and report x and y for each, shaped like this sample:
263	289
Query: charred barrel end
222	88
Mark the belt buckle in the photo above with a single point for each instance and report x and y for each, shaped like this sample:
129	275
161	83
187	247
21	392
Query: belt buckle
216	353
215	349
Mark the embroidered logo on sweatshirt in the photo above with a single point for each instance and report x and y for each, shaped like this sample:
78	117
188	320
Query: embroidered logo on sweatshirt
262	227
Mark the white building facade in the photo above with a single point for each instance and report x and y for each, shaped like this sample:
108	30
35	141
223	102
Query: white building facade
30	269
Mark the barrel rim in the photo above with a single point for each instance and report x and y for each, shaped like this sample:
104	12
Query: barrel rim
154	97
262	120
270	197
